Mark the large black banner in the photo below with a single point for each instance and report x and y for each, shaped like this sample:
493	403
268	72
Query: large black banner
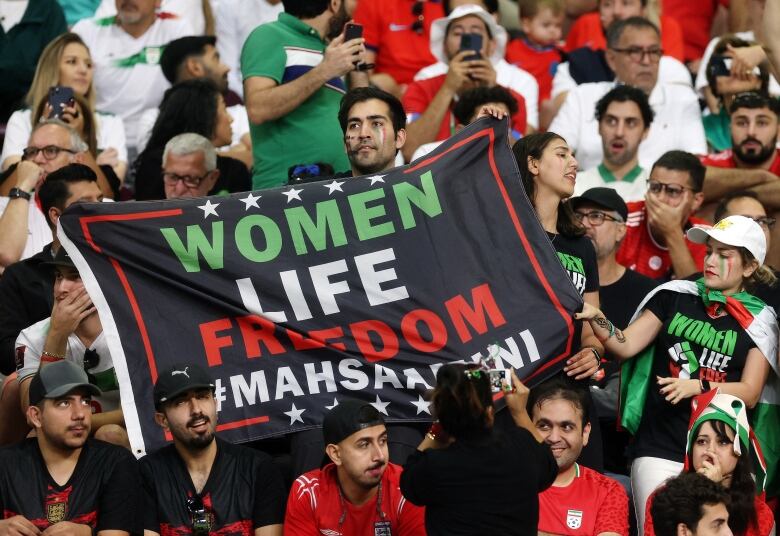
297	297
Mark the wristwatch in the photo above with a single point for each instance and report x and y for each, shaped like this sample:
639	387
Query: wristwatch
18	192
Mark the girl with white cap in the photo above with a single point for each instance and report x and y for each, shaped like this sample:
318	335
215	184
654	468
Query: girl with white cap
689	337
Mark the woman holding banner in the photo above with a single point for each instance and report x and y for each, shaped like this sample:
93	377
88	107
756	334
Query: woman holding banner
548	170
687	338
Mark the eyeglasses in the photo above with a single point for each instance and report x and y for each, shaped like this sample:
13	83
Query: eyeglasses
764	221
199	516
189	181
595	217
672	190
50	152
638	53
418	26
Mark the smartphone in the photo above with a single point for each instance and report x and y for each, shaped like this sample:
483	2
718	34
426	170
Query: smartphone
472	42
352	31
720	66
60	97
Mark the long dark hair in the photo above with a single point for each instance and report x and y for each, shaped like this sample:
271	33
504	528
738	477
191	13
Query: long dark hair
461	400
742	508
533	146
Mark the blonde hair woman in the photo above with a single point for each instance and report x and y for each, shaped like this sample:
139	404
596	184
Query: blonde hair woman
66	61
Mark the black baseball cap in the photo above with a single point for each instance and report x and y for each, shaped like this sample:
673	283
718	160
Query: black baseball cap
61	258
179	379
348	417
59	379
606	198
177	50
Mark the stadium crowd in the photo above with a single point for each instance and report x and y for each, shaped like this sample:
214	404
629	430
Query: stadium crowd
645	133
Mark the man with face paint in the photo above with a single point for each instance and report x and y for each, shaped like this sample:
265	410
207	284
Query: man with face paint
580	500
374	126
753	162
201	484
357	492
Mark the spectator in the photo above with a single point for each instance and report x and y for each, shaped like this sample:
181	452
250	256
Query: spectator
27	27
296	99
73	333
66	61
722	447
746	203
126	50
660	344
580	500
189	166
374	126
590	30
471	477
235	20
397	34
53	144
633	53
655	243
536	51
722	85
27	288
693	505
429	102
197	107
75	10
358	490
61	480
445	43
624	117
201	484
471	106
548	171
197	14
193	57
603	213
753	162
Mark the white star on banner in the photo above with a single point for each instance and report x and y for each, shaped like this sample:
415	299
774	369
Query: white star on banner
295	414
335	403
375	179
421	405
380	406
251	200
209	208
292	193
334	186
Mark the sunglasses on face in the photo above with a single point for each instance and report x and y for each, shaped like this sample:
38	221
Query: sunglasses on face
672	190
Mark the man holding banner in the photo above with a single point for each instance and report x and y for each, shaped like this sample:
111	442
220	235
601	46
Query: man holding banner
201	484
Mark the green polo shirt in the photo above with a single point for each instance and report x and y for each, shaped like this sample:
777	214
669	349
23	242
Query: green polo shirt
283	51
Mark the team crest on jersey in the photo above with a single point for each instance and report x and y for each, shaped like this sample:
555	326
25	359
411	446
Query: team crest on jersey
574	519
56	512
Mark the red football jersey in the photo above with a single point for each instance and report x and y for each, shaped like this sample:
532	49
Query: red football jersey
420	93
640	252
587	32
541	62
591	504
388	30
725	159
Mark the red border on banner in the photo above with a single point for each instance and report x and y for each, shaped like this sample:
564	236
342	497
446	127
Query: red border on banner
85	221
520	233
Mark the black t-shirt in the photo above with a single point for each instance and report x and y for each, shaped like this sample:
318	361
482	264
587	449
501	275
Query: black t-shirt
579	260
620	300
102	492
719	345
244	492
487	486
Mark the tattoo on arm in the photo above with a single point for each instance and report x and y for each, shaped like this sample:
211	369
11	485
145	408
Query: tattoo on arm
602	322
619	336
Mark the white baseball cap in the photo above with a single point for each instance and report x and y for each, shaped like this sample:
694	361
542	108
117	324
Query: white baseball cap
439	31
736	231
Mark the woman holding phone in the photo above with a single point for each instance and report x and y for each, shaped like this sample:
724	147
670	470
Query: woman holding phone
65	68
